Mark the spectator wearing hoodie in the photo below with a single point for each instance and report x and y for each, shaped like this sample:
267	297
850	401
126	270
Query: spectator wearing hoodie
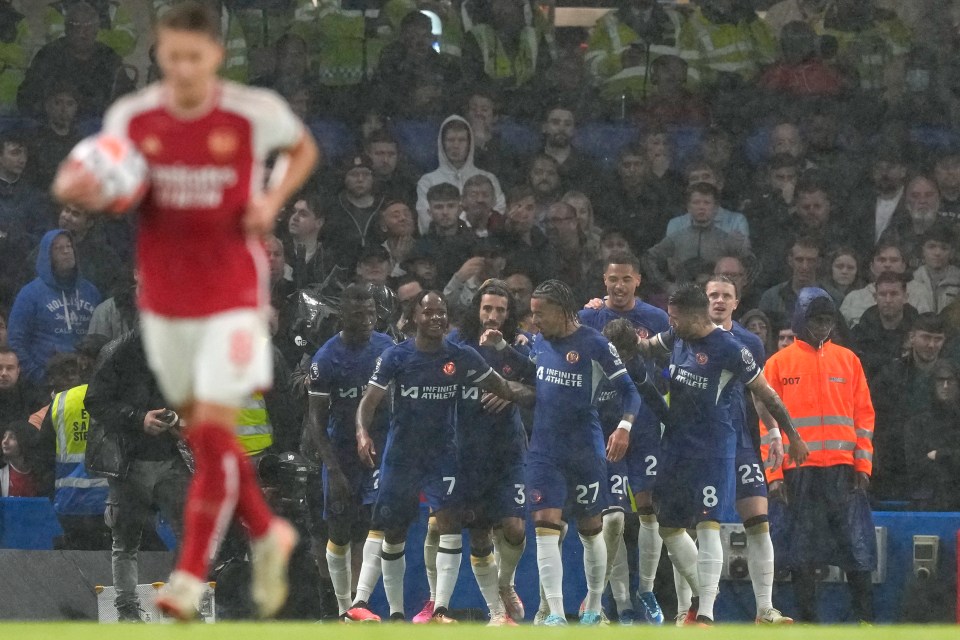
51	313
455	153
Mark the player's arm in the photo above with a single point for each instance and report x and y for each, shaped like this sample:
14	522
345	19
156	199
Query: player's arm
293	168
513	391
519	361
658	345
619	440
775	455
371	399
318	413
763	392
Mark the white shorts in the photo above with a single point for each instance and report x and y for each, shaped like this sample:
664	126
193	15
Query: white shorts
222	358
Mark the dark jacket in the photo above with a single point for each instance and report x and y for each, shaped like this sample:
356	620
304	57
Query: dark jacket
933	482
877	346
121	393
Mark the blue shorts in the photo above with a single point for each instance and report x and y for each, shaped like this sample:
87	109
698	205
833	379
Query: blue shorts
493	489
692	490
579	484
751	480
618	496
643	456
403	478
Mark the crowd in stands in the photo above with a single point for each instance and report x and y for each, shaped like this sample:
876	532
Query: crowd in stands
813	142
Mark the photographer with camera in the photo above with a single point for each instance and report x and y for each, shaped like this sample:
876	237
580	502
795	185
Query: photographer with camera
150	474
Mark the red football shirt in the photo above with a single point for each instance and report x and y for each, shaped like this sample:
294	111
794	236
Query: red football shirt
193	256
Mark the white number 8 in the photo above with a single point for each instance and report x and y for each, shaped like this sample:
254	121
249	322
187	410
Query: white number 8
710	497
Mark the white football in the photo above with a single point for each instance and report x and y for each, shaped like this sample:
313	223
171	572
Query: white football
119	168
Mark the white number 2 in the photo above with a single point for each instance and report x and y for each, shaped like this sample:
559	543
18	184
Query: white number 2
617	484
745	473
583	490
651	465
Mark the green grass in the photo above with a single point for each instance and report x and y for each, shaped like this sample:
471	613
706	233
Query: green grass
301	631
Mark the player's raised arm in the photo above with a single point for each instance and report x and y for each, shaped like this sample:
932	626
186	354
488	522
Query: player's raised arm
298	163
515	392
372	398
763	392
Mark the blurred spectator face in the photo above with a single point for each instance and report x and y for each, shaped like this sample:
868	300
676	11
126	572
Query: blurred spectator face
424	269
889	259
613	243
947	174
359	182
75	221
275	258
937	255
478	199
813	208
521	288
61	110
396	221
784	179
480	112
657	145
304	223
922	200
418	37
888	176
544	177
717	148
785	338
926	346
759	328
843	271
704	174
785	138
702	208
372	121
803	263
445	214
80	29
373	270
13	160
383	157
9	370
558	129
521	215
408	291
3	330
946	388
456	145
10	446
581	204
630	169
732	268
890	298
561	225
62	258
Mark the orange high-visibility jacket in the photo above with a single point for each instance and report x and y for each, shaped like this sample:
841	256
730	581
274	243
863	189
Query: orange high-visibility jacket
826	394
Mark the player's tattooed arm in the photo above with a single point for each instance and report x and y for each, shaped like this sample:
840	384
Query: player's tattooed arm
766	395
371	399
775	451
513	391
654	346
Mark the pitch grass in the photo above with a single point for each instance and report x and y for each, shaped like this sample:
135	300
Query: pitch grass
334	631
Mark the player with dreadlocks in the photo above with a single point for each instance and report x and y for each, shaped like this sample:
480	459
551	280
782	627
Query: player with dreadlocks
566	463
491	435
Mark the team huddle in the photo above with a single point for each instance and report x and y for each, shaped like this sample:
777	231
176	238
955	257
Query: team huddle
603	446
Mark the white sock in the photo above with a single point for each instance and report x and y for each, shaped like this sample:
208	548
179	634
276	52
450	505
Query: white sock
486	572
550	565
709	565
510	555
683	554
393	570
760	564
650	545
430	543
448	567
684	592
620	579
370	569
595	568
338	564
612	535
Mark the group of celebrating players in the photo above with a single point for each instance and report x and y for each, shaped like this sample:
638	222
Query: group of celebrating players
603	445
601	430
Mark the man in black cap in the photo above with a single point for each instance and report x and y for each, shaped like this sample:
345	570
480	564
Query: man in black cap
352	217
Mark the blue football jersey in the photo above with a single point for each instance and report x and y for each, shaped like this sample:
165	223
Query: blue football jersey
702	419
755	345
569	374
425	391
648	319
341	372
480	430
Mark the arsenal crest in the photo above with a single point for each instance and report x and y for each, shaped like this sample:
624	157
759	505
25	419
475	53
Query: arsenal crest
151	146
223	144
702	358
573	357
449	368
